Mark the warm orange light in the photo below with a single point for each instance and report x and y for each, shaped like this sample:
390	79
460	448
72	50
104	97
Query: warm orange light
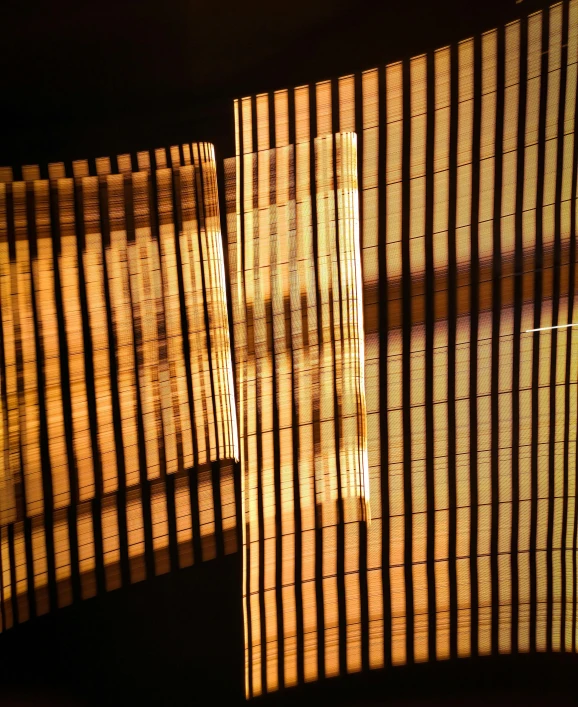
151	395
467	248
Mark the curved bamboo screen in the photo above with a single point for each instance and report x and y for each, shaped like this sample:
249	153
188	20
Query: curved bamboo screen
467	203
117	383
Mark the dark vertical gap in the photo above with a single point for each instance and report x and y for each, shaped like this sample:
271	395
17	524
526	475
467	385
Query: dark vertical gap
334	106
406	361
134	161
318	519
247	548
217	506
275	405
272	127
89	376
474	329
177	221
172	522
223	209
340	564
177	210
66	393
551	459
556	294
215	468
13	589
295	429
87	339
571	295
552	412
337	422
496	318
178	227
4	393
536	335
20	485
291	111
383	340
31	229
20	505
161	326
96	502
27	523
137	335
363	592
553	366
429	355
452	326
261	518
2	599
518	298
195	517
168	487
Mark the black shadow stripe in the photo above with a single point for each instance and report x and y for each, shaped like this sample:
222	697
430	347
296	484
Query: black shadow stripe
518	282
429	355
261	517
247	548
41	383
337	427
144	483
337	422
571	314
177	210
223	209
66	398
88	348
89	371
474	329
275	405
178	227
363	591
452	326
295	430
536	335
21	506
496	316
97	502
553	415
383	340
215	469
318	525
406	361
13	589
2	607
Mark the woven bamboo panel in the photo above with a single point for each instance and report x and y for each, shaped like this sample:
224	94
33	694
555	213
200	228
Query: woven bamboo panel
467	169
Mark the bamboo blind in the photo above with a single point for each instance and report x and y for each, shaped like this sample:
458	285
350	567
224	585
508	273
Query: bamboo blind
467	166
117	418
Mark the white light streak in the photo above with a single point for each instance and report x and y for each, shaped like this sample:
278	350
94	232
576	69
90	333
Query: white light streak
549	328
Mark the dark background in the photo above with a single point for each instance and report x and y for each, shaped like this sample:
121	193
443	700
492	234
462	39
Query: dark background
171	640
87	79
84	79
